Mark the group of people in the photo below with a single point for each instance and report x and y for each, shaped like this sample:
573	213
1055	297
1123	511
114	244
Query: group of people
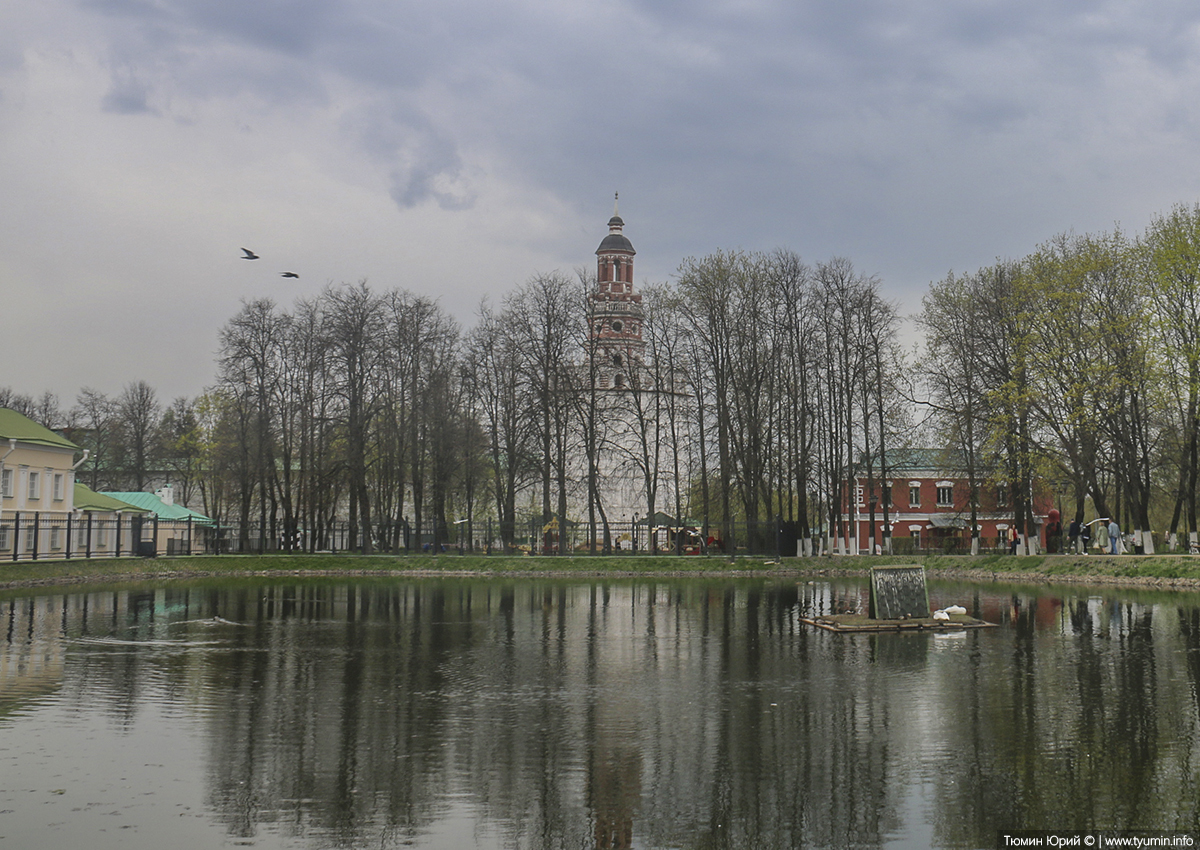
1108	536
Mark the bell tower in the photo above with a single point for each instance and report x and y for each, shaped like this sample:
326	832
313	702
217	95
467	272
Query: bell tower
616	312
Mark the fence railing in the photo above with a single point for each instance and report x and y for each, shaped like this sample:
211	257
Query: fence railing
29	536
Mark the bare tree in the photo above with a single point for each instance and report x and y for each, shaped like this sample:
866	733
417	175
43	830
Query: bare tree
139	415
354	329
96	430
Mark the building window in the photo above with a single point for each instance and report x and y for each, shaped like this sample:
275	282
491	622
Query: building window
617	360
619	381
1002	496
56	536
6	483
35	485
81	533
914	495
30	534
59	486
5	537
887	494
945	496
617	326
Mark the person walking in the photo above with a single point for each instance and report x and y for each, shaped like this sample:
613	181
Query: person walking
1102	535
1073	536
1114	537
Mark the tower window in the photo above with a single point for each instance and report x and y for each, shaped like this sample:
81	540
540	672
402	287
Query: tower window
617	326
619	381
617	360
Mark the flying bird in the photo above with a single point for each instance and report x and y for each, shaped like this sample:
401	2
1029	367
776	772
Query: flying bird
250	255
288	274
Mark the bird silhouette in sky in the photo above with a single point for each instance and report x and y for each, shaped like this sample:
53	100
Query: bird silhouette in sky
250	255
288	274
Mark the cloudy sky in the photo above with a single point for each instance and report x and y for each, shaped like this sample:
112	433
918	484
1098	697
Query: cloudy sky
456	147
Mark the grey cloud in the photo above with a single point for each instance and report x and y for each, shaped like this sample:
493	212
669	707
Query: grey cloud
430	168
423	162
127	98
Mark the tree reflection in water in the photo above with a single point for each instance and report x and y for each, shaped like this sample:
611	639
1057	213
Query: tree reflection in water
690	713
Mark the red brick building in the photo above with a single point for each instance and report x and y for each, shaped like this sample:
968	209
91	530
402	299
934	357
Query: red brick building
930	505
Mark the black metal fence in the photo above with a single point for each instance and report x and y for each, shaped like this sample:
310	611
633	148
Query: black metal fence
31	536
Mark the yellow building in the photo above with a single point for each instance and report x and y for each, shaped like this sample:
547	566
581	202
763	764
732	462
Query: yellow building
37	487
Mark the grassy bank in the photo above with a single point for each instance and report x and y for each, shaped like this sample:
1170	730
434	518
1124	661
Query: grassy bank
1180	570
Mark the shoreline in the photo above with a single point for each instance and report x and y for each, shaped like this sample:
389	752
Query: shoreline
1150	572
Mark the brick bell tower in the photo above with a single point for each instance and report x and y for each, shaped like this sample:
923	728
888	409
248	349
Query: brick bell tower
616	312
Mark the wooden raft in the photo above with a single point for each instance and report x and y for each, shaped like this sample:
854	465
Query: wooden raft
858	623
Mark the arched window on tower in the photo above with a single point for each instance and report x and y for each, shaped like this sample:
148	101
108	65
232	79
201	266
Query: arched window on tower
619	380
617	360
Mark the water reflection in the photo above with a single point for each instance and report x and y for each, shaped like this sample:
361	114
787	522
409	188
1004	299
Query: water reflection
544	714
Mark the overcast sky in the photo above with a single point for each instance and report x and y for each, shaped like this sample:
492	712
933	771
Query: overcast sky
456	147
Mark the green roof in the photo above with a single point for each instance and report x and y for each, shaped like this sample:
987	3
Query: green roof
14	425
87	499
155	505
900	460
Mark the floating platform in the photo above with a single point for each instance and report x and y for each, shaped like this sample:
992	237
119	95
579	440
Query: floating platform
861	623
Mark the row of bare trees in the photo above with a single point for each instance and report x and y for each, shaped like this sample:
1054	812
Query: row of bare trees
1078	365
760	385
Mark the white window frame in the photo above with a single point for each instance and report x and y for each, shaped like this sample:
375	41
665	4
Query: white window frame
60	486
30	533
914	489
33	490
5	537
6	483
56	535
946	487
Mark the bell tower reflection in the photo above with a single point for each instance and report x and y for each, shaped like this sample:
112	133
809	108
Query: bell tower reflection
614	788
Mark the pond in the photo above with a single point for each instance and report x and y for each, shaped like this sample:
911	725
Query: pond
474	713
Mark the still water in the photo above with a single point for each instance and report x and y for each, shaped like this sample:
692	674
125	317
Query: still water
579	714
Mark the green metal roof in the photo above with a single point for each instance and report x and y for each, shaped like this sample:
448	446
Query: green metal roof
14	425
87	499
920	460
155	505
